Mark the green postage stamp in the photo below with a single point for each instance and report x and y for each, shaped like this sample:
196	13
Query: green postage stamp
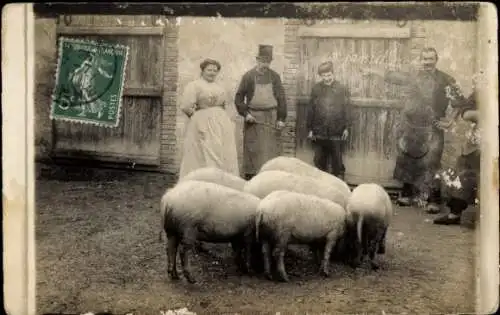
89	82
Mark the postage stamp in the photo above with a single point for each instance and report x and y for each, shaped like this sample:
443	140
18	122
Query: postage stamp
89	82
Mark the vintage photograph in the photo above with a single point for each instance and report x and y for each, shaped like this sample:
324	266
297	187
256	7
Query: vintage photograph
292	158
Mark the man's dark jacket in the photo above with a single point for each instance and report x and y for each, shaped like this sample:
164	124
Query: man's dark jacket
330	110
442	80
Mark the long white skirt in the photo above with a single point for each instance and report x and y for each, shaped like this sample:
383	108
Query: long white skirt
209	141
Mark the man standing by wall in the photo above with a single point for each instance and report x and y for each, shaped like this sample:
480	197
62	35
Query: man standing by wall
329	120
420	136
260	99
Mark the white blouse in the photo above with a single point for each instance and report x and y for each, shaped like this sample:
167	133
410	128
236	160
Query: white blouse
201	94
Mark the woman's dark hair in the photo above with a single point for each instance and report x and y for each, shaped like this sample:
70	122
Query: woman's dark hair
207	62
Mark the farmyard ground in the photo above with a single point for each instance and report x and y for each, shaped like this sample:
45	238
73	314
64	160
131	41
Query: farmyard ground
98	249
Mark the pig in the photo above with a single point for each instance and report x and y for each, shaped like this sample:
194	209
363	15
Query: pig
216	176
266	182
199	211
286	217
371	210
299	167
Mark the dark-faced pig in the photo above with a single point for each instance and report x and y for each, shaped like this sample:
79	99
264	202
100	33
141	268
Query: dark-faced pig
371	209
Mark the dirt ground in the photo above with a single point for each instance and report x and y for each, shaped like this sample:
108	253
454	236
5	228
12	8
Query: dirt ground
98	250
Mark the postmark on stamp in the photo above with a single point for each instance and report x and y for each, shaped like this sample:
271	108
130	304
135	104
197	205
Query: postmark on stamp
89	82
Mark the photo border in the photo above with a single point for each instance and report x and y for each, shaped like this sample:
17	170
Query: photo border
18	160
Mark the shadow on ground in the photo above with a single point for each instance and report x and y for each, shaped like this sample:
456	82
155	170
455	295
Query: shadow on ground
98	250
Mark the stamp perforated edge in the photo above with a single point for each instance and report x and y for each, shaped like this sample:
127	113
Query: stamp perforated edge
63	39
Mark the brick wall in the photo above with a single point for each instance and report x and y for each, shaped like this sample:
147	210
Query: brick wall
168	144
291	52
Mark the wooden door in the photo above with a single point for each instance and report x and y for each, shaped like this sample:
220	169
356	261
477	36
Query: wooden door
370	153
137	137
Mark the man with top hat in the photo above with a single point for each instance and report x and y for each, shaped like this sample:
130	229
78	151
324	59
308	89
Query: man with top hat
260	99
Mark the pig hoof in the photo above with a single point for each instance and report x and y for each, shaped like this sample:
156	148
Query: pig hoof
245	270
190	278
324	273
375	266
269	276
173	275
284	278
354	264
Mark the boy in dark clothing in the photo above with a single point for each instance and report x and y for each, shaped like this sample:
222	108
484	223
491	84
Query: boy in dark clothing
329	120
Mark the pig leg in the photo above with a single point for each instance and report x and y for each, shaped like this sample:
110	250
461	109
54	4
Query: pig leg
371	253
365	245
373	246
237	246
381	247
359	249
316	252
256	258
279	256
349	246
188	242
331	239
338	251
172	245
267	260
248	241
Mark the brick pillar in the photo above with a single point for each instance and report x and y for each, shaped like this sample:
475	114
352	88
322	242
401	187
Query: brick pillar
417	38
168	145
290	84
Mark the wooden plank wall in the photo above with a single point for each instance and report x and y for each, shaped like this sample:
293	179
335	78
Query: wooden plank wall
370	151
137	138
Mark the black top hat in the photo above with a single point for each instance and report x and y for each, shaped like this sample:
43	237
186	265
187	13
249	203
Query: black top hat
265	52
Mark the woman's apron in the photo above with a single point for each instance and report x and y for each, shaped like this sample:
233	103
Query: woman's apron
261	139
209	140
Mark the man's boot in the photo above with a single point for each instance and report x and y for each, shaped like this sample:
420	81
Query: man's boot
404	200
434	202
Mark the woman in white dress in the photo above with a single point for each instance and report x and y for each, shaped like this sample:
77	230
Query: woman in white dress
209	139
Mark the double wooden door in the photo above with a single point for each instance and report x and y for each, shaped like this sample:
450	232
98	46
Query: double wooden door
371	150
137	137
